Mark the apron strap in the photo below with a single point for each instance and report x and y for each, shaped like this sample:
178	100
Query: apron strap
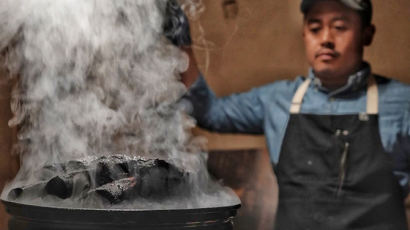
298	97
372	96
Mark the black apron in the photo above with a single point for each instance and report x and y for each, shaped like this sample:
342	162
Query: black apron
333	172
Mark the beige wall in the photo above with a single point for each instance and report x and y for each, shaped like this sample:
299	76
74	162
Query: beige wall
263	44
8	163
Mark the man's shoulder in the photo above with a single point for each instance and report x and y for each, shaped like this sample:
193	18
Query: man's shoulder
394	97
389	87
287	86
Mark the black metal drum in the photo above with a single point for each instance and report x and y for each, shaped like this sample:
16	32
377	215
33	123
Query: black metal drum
29	217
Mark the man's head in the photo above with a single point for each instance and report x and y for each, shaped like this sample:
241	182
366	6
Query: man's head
335	33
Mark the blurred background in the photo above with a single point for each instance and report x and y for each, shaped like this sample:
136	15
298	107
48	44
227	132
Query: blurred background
241	44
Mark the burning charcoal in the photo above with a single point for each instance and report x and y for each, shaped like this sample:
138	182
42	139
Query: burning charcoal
120	161
81	184
35	190
132	167
150	179
67	185
73	166
49	171
159	178
115	178
109	169
55	167
60	186
119	190
46	173
15	193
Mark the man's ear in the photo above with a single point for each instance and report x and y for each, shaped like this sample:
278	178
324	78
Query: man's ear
369	32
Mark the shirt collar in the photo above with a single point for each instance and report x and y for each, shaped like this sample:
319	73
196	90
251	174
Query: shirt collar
355	82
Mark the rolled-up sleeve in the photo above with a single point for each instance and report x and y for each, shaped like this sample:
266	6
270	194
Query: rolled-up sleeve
241	112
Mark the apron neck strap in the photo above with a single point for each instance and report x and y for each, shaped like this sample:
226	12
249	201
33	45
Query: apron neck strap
372	96
298	97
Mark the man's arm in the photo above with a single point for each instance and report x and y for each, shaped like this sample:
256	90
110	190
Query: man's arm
237	113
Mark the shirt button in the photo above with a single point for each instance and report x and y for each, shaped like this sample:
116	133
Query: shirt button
345	132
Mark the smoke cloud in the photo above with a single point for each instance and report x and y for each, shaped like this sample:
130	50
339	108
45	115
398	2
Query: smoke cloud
97	77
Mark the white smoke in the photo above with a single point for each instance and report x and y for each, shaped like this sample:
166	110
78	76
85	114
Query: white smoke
95	77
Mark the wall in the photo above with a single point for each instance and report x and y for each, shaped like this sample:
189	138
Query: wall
8	162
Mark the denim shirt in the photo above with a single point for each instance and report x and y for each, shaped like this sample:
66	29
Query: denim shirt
265	110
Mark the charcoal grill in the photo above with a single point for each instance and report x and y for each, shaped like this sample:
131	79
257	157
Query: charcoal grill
31	217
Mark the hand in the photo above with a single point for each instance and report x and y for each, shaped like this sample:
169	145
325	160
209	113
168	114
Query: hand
176	25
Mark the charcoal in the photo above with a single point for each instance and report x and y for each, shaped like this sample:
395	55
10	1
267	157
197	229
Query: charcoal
15	193
49	171
151	179
109	169
81	183
67	185
34	190
60	186
115	178
73	166
119	190
55	167
159	179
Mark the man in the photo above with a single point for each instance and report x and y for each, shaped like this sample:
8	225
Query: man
339	139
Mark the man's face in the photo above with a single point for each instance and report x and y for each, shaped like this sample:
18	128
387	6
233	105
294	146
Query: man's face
334	40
